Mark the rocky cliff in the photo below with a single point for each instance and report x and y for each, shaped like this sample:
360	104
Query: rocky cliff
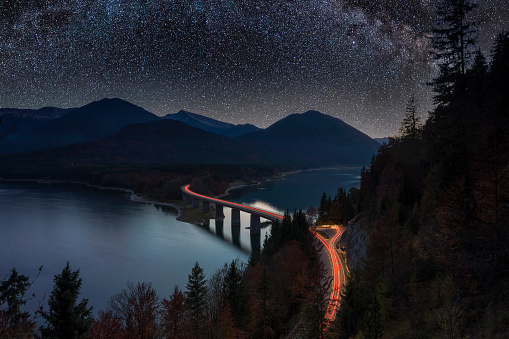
354	243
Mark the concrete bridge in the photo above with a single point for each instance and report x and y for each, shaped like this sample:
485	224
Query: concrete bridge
256	213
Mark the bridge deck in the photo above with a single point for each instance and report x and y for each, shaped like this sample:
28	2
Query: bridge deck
256	211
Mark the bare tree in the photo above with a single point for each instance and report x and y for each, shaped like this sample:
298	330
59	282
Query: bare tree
138	306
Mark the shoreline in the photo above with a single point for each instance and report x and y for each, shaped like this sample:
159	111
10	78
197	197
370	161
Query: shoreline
132	195
281	177
179	207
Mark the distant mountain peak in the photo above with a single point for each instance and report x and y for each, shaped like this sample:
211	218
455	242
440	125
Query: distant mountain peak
111	102
313	112
211	125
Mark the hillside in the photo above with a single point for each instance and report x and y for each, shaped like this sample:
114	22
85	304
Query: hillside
42	113
314	137
434	206
88	123
161	141
211	125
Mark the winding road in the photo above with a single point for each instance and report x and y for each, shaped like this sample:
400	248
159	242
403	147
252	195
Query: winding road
337	271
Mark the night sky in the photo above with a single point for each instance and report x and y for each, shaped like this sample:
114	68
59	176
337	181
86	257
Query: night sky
239	61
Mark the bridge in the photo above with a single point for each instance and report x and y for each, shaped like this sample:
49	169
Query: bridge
256	213
336	272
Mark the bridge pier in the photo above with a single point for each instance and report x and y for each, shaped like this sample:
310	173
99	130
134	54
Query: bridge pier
219	228
189	199
235	217
219	212
196	202
236	235
255	242
206	206
255	224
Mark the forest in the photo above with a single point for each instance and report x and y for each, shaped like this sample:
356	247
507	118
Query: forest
435	203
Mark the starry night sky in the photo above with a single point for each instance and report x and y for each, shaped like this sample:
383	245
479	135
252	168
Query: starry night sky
239	61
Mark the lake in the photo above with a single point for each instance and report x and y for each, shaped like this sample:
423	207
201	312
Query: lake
113	240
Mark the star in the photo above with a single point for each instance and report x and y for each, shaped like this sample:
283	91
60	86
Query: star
236	61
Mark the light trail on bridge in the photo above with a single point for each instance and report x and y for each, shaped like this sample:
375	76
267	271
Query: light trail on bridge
334	258
233	204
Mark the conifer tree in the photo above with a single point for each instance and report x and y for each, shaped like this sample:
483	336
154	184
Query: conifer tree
315	309
14	322
411	124
322	210
453	41
451	123
196	293
234	292
66	317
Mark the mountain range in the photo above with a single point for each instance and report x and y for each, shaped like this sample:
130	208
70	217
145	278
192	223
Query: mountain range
212	125
114	131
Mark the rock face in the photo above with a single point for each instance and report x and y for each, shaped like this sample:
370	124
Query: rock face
354	241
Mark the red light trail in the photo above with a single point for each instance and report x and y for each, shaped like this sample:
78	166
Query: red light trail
336	276
334	258
229	203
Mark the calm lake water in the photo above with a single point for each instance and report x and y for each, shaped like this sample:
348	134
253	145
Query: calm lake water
112	239
299	190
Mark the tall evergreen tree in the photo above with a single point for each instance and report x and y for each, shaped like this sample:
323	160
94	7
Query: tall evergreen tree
66	318
315	309
411	124
453	41
322	210
14	322
234	292
196	293
12	292
451	124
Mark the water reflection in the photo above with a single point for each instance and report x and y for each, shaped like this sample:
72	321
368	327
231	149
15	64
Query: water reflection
236	235
236	231
255	242
219	228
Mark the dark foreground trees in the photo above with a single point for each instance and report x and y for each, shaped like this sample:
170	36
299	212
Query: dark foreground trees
14	322
66	317
137	305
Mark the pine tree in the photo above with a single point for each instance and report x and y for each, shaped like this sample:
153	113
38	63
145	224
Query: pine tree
411	124
14	322
451	124
453	41
315	309
196	293
322	210
67	318
234	292
372	324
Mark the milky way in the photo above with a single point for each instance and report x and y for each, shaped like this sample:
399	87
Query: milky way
240	61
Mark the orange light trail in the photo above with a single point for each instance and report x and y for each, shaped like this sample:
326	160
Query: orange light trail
334	298
336	277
